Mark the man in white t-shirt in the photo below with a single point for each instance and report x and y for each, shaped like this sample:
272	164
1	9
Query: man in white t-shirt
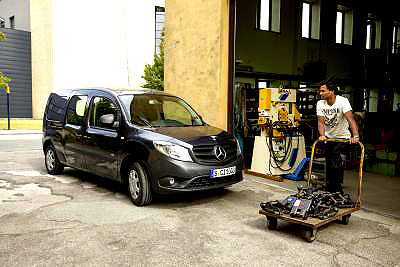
334	114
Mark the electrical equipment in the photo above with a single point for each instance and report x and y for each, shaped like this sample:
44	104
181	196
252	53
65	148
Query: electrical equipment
300	208
277	155
278	105
280	148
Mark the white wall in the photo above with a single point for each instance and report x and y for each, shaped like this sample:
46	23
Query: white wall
19	9
96	42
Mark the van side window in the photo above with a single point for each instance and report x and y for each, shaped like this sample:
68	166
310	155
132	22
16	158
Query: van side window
103	113
76	110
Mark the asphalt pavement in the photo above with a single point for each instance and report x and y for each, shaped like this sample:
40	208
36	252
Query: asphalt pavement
78	219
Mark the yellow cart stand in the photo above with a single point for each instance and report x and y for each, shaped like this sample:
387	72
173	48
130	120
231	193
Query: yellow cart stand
314	223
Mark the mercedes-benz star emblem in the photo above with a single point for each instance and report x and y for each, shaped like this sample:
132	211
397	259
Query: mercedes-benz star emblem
220	153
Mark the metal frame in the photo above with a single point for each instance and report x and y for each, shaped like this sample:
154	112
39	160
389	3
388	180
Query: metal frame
314	223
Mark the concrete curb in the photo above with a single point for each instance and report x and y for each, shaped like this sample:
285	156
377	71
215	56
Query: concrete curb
20	126
14	132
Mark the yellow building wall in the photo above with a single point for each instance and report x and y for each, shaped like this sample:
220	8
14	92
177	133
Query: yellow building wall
196	56
42	54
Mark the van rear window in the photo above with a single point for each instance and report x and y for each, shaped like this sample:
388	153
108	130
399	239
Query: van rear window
56	107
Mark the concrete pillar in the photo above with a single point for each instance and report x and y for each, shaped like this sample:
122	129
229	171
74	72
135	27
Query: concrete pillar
196	56
42	54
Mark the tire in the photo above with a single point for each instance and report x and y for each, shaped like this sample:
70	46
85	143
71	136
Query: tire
345	219
272	223
138	183
53	164
311	235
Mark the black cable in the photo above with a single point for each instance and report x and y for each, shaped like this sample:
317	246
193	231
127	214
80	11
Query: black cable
288	133
284	128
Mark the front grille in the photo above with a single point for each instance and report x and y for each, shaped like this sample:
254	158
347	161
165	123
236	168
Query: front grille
203	182
205	153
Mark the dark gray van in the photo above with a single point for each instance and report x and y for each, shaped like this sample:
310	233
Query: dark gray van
151	141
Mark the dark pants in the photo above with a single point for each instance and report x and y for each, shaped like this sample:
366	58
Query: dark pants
335	155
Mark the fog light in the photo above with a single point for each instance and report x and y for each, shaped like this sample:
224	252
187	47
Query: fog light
168	182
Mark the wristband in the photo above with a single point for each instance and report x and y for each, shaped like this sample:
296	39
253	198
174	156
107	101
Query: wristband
355	136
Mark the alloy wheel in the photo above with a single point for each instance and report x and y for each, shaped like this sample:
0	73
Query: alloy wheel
50	159
134	183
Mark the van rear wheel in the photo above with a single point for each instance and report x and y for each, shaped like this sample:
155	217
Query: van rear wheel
53	165
139	188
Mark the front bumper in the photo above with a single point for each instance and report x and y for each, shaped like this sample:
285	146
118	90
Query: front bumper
189	176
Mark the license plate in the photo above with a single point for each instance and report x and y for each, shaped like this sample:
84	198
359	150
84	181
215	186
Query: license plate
214	173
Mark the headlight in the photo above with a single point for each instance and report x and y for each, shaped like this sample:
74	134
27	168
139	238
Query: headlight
172	150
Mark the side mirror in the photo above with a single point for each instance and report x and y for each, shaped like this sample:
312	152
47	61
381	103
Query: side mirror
108	120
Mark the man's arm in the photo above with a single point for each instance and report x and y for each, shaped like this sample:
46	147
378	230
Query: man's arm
353	126
321	128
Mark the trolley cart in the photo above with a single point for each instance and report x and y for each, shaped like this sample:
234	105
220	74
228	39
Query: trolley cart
313	224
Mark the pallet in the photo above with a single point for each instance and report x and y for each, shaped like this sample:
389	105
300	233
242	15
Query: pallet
312	223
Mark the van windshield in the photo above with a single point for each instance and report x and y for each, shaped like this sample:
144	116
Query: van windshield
159	111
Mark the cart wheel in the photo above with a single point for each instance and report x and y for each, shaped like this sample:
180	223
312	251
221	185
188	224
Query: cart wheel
272	223
311	234
345	219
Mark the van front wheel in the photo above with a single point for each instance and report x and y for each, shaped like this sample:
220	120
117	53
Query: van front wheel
139	188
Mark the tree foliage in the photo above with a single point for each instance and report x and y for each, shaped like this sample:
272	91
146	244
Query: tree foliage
154	74
2	36
4	80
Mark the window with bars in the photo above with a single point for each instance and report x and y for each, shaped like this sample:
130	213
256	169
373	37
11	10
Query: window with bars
268	15
396	38
344	25
310	19
373	38
370	34
2	23
12	22
159	27
339	26
306	20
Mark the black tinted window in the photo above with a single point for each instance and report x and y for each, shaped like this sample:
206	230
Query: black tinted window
56	107
103	113
76	110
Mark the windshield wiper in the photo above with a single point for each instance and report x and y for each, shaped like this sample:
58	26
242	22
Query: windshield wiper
141	120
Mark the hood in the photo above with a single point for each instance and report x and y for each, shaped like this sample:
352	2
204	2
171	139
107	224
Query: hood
196	135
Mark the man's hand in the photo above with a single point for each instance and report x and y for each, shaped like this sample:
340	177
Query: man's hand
323	138
354	139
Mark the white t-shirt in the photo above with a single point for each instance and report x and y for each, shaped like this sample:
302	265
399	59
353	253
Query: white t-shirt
336	125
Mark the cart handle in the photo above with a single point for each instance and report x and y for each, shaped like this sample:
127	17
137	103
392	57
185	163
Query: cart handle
360	172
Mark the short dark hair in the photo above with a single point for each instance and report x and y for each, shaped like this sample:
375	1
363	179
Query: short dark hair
330	85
